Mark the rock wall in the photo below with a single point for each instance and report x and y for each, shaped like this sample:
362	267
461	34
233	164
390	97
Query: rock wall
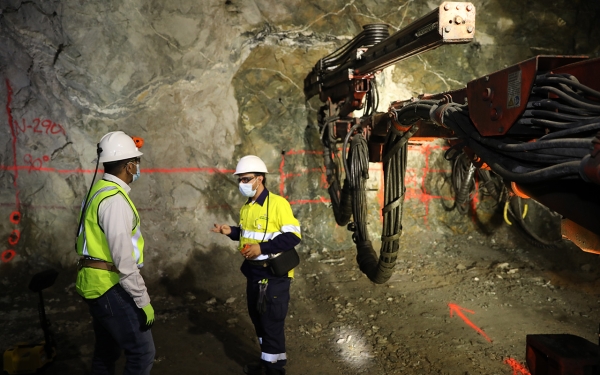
205	83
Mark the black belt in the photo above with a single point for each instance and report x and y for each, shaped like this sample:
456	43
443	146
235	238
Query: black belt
258	263
264	262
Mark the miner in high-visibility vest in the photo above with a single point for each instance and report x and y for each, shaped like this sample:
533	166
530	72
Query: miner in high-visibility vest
267	229
111	248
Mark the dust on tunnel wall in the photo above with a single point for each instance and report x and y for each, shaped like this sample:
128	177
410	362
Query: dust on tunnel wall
205	83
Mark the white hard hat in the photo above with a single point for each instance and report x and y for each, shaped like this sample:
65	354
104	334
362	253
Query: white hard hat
250	163
117	146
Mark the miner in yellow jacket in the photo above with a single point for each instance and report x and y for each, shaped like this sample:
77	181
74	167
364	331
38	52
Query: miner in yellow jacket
111	247
266	231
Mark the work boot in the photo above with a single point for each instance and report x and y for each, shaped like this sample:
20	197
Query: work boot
274	371
254	369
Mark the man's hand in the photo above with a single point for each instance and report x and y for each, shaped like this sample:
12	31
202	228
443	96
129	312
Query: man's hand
149	311
222	228
251	251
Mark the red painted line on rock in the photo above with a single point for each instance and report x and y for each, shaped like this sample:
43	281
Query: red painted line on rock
143	170
281	175
42	206
455	309
415	182
303	152
312	170
307	201
46	169
187	170
518	369
9	93
75	208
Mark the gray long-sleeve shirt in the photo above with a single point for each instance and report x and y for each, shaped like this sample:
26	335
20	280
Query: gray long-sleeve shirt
117	220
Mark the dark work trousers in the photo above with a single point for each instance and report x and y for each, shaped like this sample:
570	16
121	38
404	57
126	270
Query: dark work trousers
269	325
116	320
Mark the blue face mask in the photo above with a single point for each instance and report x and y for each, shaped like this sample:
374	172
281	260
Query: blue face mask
137	173
246	189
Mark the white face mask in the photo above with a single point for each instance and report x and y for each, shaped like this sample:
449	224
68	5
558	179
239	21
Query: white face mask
246	189
137	173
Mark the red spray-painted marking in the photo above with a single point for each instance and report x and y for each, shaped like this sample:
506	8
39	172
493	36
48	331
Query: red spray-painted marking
187	170
38	126
281	175
7	255
309	201
42	206
35	164
416	187
303	152
143	170
15	217
304	172
45	169
14	237
518	369
13	133
455	309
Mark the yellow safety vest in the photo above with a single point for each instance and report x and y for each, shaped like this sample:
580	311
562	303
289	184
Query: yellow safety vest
254	217
91	242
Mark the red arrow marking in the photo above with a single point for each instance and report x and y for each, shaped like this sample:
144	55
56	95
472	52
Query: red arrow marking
518	368
454	308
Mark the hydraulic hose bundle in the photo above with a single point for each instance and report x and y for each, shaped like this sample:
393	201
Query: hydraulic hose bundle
333	68
350	201
565	140
372	34
570	123
546	140
378	269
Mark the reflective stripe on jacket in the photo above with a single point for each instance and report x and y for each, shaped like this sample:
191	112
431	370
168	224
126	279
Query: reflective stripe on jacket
92	242
253	222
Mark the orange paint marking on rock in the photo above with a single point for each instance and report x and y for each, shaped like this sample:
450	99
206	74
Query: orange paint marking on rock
518	369
455	309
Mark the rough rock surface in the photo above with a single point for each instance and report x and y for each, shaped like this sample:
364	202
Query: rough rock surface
207	82
204	83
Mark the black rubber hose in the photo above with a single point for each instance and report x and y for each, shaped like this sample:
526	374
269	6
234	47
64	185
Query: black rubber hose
567	98
539	175
341	202
372	34
576	129
414	111
463	183
539	157
576	153
585	143
549	80
379	270
550	115
555	106
574	94
487	183
543	123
